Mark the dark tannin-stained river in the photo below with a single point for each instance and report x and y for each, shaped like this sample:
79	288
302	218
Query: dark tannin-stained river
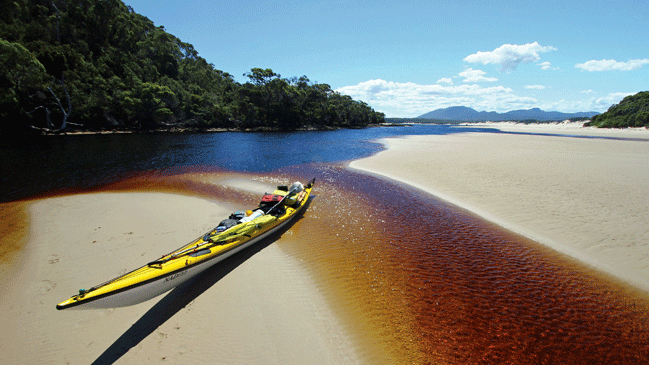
415	279
443	286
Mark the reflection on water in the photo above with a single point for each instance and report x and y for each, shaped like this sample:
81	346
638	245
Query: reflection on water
37	166
420	281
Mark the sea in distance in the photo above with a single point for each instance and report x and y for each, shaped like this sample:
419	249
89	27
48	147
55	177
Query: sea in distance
415	279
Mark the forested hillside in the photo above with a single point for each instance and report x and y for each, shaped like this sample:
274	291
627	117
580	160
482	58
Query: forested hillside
632	111
96	65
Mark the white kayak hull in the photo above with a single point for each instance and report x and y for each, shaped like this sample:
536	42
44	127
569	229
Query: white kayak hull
157	286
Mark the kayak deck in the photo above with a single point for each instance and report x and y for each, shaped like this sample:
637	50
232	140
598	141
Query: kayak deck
185	262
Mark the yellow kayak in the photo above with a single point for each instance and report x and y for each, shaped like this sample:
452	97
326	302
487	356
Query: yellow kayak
240	230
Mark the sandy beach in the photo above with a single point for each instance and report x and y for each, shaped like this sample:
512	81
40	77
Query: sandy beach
259	307
565	128
584	197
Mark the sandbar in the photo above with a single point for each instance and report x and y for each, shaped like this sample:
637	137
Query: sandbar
262	307
584	197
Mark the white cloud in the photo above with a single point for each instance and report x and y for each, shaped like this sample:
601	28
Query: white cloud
471	75
607	101
397	99
445	80
409	99
535	87
589	91
509	56
588	104
612	65
546	66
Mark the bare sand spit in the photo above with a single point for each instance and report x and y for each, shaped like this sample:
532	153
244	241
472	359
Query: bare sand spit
258	307
585	197
565	127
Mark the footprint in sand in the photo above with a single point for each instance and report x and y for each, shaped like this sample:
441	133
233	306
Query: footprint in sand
46	286
53	259
106	312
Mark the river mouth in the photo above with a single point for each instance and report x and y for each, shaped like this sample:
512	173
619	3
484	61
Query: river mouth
415	279
412	278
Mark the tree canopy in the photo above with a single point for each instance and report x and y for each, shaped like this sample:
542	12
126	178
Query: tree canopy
632	111
99	65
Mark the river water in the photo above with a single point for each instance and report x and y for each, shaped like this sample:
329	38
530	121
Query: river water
418	279
49	164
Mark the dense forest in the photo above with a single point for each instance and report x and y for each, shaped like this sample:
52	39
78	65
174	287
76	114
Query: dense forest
98	65
632	111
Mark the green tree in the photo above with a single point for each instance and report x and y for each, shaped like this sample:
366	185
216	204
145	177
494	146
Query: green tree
262	78
632	111
116	69
155	106
22	81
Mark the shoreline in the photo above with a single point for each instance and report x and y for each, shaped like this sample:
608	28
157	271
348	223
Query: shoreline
559	127
579	196
565	128
73	132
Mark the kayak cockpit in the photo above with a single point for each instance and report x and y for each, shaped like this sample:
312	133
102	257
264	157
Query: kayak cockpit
273	204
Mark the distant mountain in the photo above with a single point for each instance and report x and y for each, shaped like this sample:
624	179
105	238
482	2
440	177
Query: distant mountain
462	113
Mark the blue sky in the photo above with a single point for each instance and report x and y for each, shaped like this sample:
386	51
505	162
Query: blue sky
406	59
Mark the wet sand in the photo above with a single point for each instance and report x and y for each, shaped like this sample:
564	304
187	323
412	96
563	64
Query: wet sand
258	307
584	197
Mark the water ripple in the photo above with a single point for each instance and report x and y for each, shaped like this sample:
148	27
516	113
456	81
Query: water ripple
434	284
